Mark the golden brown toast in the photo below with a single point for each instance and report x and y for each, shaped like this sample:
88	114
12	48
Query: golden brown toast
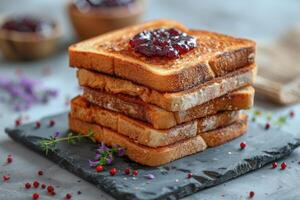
177	101
215	55
147	155
144	133
216	138
162	119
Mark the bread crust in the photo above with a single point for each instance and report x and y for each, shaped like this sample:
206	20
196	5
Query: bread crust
177	101
163	119
143	154
219	137
143	133
215	55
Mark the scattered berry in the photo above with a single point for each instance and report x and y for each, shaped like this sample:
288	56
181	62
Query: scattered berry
113	171
79	192
274	165
267	126
190	175
9	158
251	194
135	172
283	166
40	173
43	186
127	171
99	168
51	123
36	184
50	189
18	122
243	145
68	196
53	193
292	114
35	196
27	185
6	178
37	124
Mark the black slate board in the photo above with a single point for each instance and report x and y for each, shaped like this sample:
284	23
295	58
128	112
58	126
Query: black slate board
209	168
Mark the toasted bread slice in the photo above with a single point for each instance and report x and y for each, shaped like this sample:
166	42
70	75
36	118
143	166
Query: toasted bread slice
143	133
215	55
163	119
178	101
148	155
218	137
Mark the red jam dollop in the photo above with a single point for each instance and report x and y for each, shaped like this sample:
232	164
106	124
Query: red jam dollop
28	25
162	42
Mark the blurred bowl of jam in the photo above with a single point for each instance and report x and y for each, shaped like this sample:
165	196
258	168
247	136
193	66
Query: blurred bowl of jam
94	17
28	37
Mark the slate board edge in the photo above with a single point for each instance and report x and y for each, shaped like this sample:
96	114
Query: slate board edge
181	192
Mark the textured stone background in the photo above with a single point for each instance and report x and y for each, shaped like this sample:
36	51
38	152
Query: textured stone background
260	20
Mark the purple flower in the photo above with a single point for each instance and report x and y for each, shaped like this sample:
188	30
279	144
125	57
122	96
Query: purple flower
93	163
98	156
24	93
102	148
121	151
56	134
149	176
109	159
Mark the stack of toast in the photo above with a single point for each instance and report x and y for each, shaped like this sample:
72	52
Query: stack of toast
161	109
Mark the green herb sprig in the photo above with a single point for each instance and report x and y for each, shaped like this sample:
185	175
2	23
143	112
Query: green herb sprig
71	138
268	116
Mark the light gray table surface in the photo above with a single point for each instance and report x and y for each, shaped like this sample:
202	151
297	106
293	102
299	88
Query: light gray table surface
262	20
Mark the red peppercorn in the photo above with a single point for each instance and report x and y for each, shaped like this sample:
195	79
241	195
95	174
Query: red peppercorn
35	196
68	196
9	158
40	173
50	189
292	114
18	122
267	126
51	123
190	175
274	165
113	171
283	166
135	172
36	184
127	171
243	145
37	124
251	194
6	178
27	185
99	168
43	186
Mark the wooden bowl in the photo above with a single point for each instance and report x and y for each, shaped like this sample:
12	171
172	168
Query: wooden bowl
100	20
28	46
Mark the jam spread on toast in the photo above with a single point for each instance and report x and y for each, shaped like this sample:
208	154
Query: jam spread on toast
88	4
28	25
162	42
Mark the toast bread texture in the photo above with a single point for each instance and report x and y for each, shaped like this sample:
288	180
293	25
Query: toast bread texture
216	138
144	133
143	154
159	118
215	55
177	101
